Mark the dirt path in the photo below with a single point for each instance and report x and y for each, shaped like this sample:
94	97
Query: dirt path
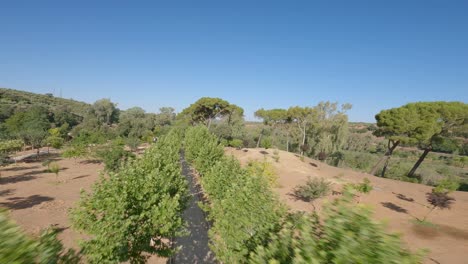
194	247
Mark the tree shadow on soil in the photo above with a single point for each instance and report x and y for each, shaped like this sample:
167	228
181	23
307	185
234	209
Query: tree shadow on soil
7	192
90	162
80	177
18	178
394	207
404	197
18	168
17	203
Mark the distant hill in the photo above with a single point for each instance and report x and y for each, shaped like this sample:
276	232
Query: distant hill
15	100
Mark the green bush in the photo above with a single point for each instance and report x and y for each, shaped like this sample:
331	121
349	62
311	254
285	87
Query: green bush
113	156
266	143
314	188
202	148
236	143
140	203
17	247
263	169
243	210
344	233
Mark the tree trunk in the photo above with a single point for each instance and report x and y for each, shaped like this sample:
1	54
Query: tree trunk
303	140
420	160
259	139
209	123
391	147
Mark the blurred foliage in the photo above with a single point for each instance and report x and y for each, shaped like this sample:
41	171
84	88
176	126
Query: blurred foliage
17	248
344	233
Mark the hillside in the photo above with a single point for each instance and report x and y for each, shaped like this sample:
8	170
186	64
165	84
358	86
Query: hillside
397	203
13	100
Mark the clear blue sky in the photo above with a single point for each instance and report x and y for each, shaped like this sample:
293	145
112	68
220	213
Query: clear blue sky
372	54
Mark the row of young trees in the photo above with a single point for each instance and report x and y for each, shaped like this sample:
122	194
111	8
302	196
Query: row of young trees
137	209
250	224
243	209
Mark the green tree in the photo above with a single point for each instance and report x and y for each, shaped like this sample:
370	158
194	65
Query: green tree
134	212
440	120
207	109
276	118
105	111
303	117
30	126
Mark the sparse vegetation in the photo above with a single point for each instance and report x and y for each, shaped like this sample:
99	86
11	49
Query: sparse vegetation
313	188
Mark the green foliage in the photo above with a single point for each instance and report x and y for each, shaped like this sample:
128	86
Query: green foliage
446	185
140	203
314	188
266	143
263	169
29	126
113	156
16	247
358	160
8	146
236	143
207	109
363	187
14	101
344	233
202	148
242	207
54	167
76	151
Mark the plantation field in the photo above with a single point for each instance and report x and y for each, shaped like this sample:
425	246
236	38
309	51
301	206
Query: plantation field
36	199
397	203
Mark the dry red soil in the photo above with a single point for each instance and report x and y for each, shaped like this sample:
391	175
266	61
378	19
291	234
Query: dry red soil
396	203
37	200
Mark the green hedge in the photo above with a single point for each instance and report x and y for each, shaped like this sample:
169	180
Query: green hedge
243	209
142	202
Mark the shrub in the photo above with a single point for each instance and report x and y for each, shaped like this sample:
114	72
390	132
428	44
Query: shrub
263	169
54	168
243	210
343	234
17	247
266	143
314	188
236	143
140	203
113	156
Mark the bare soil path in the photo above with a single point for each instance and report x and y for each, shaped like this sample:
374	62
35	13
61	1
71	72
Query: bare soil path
193	247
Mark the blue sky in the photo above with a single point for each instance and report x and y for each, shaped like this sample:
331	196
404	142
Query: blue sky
372	54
